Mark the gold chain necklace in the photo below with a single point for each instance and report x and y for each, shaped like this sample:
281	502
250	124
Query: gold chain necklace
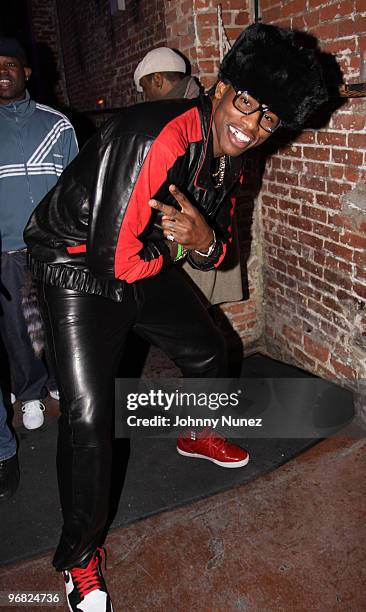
218	176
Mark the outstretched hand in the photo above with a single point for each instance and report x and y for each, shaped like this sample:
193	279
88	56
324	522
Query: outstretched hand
186	225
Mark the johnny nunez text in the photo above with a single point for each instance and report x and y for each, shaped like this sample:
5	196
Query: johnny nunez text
164	421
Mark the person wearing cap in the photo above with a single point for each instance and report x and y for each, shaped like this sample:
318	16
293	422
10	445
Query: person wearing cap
160	76
150	188
36	144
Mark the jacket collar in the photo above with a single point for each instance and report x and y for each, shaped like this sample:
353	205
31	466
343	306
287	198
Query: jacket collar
22	109
203	178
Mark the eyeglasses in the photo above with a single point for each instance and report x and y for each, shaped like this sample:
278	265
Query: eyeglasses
246	104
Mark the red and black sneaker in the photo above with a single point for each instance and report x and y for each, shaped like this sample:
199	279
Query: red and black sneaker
212	446
85	587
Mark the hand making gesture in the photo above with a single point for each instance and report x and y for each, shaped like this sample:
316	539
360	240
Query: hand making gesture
185	226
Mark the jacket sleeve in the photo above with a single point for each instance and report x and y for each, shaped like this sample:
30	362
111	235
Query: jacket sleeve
65	208
70	147
130	176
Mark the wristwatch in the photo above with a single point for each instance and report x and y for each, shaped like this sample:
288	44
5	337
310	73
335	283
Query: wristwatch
211	248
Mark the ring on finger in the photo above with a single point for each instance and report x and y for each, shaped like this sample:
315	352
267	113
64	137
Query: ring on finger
170	237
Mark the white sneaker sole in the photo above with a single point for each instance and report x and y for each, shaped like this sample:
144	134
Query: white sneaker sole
224	464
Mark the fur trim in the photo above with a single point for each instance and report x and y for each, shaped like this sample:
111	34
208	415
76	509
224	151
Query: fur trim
32	315
268	62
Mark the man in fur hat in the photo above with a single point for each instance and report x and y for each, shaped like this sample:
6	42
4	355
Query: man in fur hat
152	187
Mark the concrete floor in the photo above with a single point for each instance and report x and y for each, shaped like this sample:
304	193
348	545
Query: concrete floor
293	540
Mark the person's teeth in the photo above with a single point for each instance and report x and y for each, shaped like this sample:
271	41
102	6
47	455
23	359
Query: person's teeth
239	135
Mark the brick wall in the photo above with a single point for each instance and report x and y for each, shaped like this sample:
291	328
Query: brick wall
303	241
49	68
101	51
313	207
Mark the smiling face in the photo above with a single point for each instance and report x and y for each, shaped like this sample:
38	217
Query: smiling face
13	76
233	132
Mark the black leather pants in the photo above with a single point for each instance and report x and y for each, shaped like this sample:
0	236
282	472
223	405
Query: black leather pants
87	333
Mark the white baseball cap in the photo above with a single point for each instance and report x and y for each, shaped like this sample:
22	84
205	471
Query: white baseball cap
162	59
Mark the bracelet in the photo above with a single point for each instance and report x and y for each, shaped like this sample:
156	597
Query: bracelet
181	252
211	248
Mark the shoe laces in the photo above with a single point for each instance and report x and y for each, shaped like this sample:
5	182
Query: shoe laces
33	406
88	578
212	440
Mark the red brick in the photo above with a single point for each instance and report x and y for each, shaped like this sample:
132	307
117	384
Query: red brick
326	31
319	153
315	349
337	172
354	240
279	189
352	26
291	150
241	19
326	231
331	304
303	359
312	241
360	290
349	122
347	156
313	182
360	274
343	370
331	138
319	258
311	19
328	201
328	328
338	264
337	10
314	213
278	265
298	273
303	196
358	141
338	188
289	206
300	223
287	178
228	4
309	292
353	175
294	335
337	279
338	250
359	258
305	137
293	7
321	285
311	267
207	19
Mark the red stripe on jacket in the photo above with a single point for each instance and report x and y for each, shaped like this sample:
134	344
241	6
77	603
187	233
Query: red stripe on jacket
172	142
80	248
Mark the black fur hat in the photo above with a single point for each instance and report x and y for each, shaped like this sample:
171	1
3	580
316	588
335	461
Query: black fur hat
266	61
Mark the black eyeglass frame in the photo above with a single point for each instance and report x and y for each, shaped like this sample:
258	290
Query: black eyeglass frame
262	107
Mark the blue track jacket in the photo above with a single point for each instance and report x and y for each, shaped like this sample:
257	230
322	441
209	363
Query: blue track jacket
36	144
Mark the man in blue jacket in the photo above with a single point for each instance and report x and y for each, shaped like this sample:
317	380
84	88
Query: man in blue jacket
36	144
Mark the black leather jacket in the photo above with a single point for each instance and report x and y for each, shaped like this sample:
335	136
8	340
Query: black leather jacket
95	231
